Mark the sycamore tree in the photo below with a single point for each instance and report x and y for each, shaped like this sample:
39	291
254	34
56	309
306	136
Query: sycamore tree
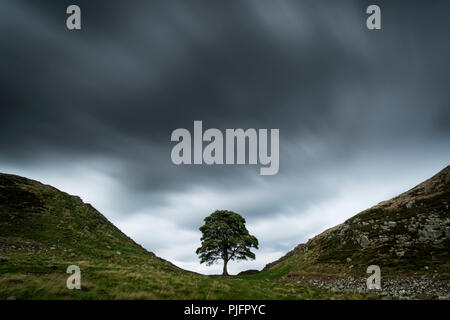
225	237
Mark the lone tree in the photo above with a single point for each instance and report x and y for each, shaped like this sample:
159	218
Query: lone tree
226	238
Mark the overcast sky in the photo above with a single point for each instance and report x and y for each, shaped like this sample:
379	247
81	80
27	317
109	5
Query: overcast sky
363	115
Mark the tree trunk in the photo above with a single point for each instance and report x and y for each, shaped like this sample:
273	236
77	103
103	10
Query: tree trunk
225	271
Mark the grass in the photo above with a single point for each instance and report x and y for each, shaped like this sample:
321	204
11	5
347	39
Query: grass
27	276
42	226
44	230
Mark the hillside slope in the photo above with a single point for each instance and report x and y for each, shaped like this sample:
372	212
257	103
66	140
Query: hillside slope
37	217
407	236
44	230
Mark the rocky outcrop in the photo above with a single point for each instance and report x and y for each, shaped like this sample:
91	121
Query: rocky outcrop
404	288
423	228
11	244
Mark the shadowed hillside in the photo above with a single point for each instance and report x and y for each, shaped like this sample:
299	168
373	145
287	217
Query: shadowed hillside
37	217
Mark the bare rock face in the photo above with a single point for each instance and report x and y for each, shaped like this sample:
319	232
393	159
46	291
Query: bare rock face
363	240
405	288
420	216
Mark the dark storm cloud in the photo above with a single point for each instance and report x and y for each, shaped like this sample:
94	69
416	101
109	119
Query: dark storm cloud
140	69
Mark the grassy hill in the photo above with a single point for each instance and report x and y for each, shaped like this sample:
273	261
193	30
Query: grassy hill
407	236
44	230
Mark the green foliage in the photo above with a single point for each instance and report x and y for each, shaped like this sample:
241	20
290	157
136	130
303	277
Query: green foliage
225	237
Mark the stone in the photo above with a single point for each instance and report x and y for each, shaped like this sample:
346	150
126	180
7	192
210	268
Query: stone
363	241
392	223
400	253
410	204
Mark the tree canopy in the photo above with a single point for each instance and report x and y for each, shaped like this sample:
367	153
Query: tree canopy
225	237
